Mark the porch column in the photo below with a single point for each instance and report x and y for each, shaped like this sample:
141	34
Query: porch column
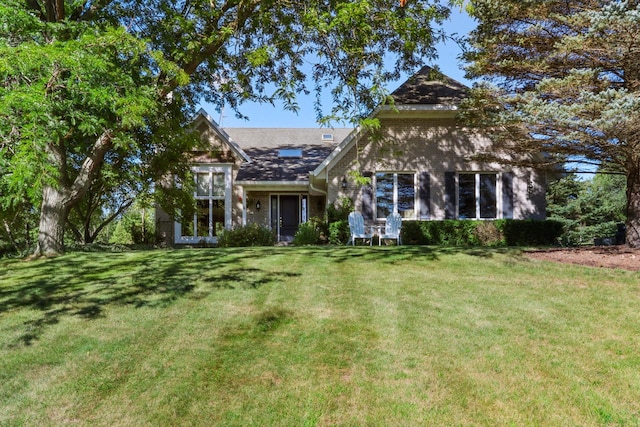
244	207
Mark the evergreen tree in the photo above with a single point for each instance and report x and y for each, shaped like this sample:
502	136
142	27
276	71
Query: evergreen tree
567	84
588	209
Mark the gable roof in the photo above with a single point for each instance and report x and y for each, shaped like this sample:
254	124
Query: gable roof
427	90
202	115
430	87
264	144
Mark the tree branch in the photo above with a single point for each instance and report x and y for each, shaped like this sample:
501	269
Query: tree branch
91	165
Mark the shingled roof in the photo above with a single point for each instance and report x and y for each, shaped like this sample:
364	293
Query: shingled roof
263	146
430	87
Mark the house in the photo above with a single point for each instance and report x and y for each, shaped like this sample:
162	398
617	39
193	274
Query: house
418	163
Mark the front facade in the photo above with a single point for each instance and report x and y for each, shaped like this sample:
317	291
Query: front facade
419	165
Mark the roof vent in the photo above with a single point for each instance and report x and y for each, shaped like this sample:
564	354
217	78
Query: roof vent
290	153
327	137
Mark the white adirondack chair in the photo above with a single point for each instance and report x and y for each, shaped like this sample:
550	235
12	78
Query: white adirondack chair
392	229
356	228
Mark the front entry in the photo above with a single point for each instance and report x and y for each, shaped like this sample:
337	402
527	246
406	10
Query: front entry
285	216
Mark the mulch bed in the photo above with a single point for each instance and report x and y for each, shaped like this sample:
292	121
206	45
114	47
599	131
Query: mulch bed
593	256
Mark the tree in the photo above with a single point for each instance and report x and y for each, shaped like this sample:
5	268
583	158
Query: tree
588	209
17	226
81	79
566	80
72	93
134	227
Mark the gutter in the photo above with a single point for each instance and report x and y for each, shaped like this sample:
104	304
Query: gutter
318	190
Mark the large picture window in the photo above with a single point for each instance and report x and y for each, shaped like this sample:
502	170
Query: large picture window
395	192
213	211
477	196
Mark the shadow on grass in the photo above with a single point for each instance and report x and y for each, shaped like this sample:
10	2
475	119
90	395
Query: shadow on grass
85	285
395	254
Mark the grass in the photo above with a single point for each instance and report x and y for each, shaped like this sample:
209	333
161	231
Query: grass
317	336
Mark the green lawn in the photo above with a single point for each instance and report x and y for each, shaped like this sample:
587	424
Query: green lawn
317	336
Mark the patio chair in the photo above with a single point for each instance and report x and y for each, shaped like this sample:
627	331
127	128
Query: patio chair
356	228
392	229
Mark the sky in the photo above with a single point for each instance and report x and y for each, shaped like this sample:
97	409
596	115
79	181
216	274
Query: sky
266	115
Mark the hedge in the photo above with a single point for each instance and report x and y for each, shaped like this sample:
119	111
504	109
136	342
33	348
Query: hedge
502	232
248	235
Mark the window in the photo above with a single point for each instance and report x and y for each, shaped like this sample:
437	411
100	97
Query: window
395	192
477	197
213	206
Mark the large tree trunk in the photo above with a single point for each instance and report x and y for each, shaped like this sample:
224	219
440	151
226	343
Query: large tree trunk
58	201
633	208
53	217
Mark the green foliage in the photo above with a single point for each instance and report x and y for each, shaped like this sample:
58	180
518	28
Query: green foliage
69	91
135	227
503	232
339	210
88	86
248	235
81	118
530	232
442	233
566	84
308	234
18	228
489	233
587	209
337	218
339	232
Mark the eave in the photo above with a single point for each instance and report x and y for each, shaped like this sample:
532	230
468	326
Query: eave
222	135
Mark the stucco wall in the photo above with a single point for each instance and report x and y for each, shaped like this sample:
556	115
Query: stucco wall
433	146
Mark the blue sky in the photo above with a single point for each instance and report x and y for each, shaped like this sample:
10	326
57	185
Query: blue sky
266	115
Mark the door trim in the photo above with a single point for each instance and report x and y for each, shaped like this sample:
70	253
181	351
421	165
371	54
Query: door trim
275	210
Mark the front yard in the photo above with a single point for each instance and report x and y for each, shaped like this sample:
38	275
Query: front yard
317	336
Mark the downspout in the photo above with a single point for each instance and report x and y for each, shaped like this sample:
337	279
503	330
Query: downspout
325	193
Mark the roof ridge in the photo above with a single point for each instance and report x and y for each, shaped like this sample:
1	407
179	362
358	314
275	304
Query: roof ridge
430	86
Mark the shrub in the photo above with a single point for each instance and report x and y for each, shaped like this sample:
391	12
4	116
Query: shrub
531	232
338	220
307	234
248	235
588	209
487	233
339	232
131	230
482	233
323	229
441	233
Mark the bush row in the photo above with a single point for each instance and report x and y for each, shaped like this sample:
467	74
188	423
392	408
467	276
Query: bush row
502	232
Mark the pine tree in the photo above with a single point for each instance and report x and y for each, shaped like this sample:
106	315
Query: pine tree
566	83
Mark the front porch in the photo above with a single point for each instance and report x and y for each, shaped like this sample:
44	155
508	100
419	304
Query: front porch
280	207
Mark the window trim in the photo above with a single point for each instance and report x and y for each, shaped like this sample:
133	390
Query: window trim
395	174
225	169
497	196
